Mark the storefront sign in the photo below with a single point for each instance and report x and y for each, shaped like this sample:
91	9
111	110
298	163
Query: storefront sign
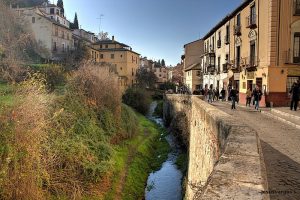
236	76
250	75
294	72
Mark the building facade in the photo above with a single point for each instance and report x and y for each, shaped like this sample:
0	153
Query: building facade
121	56
193	78
50	29
260	47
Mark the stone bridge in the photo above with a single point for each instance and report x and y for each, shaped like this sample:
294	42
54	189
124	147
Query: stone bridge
224	155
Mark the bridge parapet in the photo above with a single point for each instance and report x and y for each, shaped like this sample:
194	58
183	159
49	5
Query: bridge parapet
224	155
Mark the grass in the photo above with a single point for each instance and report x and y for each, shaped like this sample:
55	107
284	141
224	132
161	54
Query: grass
149	153
6	96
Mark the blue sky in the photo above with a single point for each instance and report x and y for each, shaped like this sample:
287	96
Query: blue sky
157	29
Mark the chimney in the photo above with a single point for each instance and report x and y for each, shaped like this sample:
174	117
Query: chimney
113	38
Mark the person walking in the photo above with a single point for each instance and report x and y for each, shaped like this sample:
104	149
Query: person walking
223	92
205	93
248	97
257	97
294	96
217	94
233	97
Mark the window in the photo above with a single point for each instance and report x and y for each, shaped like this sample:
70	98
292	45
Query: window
101	56
63	34
106	46
238	20
227	57
252	53
213	43
33	20
56	31
297	7
101	46
238	56
63	47
121	56
52	11
252	14
227	35
296	52
290	81
57	11
219	63
198	73
54	46
112	56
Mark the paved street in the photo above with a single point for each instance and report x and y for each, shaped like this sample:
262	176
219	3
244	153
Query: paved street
281	150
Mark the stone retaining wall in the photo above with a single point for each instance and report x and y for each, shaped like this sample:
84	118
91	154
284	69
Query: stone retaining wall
224	159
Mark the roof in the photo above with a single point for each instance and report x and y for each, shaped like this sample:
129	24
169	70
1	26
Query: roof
195	66
41	13
192	42
117	49
227	18
110	42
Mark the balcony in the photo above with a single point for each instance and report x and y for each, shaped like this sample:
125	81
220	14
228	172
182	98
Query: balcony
237	30
250	63
289	58
219	43
297	8
251	21
225	67
226	39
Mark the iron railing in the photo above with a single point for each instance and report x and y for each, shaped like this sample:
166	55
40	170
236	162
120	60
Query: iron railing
237	30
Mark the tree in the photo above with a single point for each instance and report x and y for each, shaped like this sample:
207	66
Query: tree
146	78
60	4
163	63
103	36
75	24
159	63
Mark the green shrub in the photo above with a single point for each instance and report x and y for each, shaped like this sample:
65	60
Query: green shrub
138	99
159	109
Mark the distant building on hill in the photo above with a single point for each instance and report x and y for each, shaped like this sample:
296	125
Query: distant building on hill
50	29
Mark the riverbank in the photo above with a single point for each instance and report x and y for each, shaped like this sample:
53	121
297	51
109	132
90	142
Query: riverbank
134	159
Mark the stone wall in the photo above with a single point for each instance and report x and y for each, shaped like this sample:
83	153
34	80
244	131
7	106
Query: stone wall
224	159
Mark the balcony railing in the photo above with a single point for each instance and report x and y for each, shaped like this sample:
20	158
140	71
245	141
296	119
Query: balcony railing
225	67
289	58
251	21
226	39
219	43
297	7
237	30
250	62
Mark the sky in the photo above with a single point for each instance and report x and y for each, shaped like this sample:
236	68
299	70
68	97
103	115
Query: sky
157	29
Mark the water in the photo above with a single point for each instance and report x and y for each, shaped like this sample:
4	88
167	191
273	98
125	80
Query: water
165	184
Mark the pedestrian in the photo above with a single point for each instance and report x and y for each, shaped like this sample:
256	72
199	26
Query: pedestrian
210	94
223	94
294	92
248	97
206	92
257	97
233	97
217	94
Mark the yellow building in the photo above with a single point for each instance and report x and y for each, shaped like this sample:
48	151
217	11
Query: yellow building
121	56
264	49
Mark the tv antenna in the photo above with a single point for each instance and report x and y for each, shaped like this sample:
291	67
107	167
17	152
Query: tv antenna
100	21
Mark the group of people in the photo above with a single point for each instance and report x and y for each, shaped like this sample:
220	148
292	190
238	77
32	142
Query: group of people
213	94
295	94
252	96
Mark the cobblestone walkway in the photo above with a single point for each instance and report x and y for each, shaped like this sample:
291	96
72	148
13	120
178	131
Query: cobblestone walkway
280	145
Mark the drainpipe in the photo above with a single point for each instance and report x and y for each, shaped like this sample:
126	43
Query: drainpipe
278	38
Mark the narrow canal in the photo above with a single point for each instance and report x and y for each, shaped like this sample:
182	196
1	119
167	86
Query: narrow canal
165	184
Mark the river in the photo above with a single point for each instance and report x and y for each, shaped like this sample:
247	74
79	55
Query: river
165	184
